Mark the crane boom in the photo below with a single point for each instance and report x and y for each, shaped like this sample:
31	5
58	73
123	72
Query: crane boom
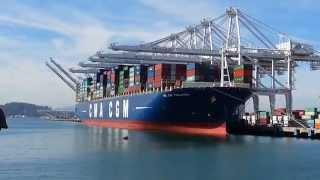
97	65
156	58
84	71
131	61
61	77
63	71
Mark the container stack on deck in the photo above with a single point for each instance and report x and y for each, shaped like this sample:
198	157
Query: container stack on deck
162	75
202	72
310	115
108	83
84	89
243	74
137	79
123	79
263	118
150	77
99	85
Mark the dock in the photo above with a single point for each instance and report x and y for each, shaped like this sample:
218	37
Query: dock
69	120
278	131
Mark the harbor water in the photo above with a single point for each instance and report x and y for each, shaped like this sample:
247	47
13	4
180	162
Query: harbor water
41	149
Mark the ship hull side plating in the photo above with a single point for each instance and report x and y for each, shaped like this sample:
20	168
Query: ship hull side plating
199	111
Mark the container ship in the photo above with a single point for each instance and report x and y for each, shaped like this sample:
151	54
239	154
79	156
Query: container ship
197	80
172	98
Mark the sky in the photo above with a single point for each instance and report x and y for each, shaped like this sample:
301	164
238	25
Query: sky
31	31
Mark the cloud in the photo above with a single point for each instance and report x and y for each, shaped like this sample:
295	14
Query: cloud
84	34
189	11
30	82
71	35
24	75
71	39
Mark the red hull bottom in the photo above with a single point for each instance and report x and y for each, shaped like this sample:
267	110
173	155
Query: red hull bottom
213	130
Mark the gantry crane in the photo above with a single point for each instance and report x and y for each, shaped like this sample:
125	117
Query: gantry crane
234	38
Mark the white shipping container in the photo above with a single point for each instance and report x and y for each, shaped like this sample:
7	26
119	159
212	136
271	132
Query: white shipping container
253	119
306	116
274	120
309	113
248	119
190	78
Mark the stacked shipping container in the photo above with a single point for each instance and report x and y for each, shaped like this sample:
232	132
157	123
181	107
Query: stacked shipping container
150	77
242	74
297	114
310	114
163	75
203	72
263	118
137	78
107	83
84	89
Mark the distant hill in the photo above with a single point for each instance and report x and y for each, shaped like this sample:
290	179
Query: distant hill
19	108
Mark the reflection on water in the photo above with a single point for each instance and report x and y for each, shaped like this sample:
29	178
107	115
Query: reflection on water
104	139
38	149
109	139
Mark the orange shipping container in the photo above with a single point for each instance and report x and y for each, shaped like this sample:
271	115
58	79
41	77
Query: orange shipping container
242	73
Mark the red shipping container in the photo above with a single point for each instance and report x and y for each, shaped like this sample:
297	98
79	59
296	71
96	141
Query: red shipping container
279	111
263	121
150	80
242	73
162	66
162	70
178	83
191	73
181	70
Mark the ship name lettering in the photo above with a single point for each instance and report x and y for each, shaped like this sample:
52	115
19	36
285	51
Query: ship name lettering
101	110
95	110
125	108
90	110
110	109
117	109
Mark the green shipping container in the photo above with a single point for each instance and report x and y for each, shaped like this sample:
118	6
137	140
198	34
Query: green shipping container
243	66
311	110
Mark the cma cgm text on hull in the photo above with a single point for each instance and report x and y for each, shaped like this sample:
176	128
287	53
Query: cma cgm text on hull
184	107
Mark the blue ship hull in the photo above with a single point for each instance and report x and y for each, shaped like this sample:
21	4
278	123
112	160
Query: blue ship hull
212	106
